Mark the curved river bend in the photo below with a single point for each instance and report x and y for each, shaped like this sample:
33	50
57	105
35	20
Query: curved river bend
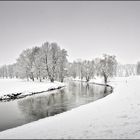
32	108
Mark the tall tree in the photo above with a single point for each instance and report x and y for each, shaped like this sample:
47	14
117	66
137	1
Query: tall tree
54	59
62	64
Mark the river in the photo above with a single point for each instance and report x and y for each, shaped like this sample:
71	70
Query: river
32	108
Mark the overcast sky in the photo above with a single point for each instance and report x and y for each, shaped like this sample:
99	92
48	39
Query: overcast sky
85	29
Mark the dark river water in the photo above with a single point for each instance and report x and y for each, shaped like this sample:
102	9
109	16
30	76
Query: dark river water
32	108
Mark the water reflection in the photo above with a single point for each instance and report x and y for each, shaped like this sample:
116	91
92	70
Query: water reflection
74	95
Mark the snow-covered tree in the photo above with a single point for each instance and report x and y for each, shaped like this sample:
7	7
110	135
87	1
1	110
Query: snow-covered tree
52	61
61	66
49	59
10	70
108	66
4	71
25	64
80	68
72	69
126	70
88	69
138	68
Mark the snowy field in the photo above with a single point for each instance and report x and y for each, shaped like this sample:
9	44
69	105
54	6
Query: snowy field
13	86
115	116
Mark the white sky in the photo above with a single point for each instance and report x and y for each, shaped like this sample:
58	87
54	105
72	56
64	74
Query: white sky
85	29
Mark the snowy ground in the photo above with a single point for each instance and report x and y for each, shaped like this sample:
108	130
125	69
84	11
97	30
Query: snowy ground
115	116
14	86
96	79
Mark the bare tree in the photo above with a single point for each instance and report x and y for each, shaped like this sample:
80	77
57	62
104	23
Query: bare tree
108	66
88	69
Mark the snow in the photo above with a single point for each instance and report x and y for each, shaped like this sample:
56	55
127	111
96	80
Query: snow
10	86
96	79
115	116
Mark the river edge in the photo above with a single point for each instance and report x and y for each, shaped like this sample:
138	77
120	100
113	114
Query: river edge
33	108
95	83
14	96
19	95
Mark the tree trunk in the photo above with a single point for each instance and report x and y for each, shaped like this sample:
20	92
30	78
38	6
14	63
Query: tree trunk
33	79
32	76
87	78
52	80
105	78
40	77
62	80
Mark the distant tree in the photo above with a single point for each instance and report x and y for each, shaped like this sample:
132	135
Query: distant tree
126	70
72	69
108	66
10	69
138	68
15	70
80	69
88	69
7	71
4	71
97	66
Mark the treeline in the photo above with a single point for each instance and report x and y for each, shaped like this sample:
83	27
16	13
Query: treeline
105	66
126	70
49	61
45	62
8	71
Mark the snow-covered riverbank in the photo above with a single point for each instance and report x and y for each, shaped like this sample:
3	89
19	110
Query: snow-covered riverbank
16	88
115	116
96	79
